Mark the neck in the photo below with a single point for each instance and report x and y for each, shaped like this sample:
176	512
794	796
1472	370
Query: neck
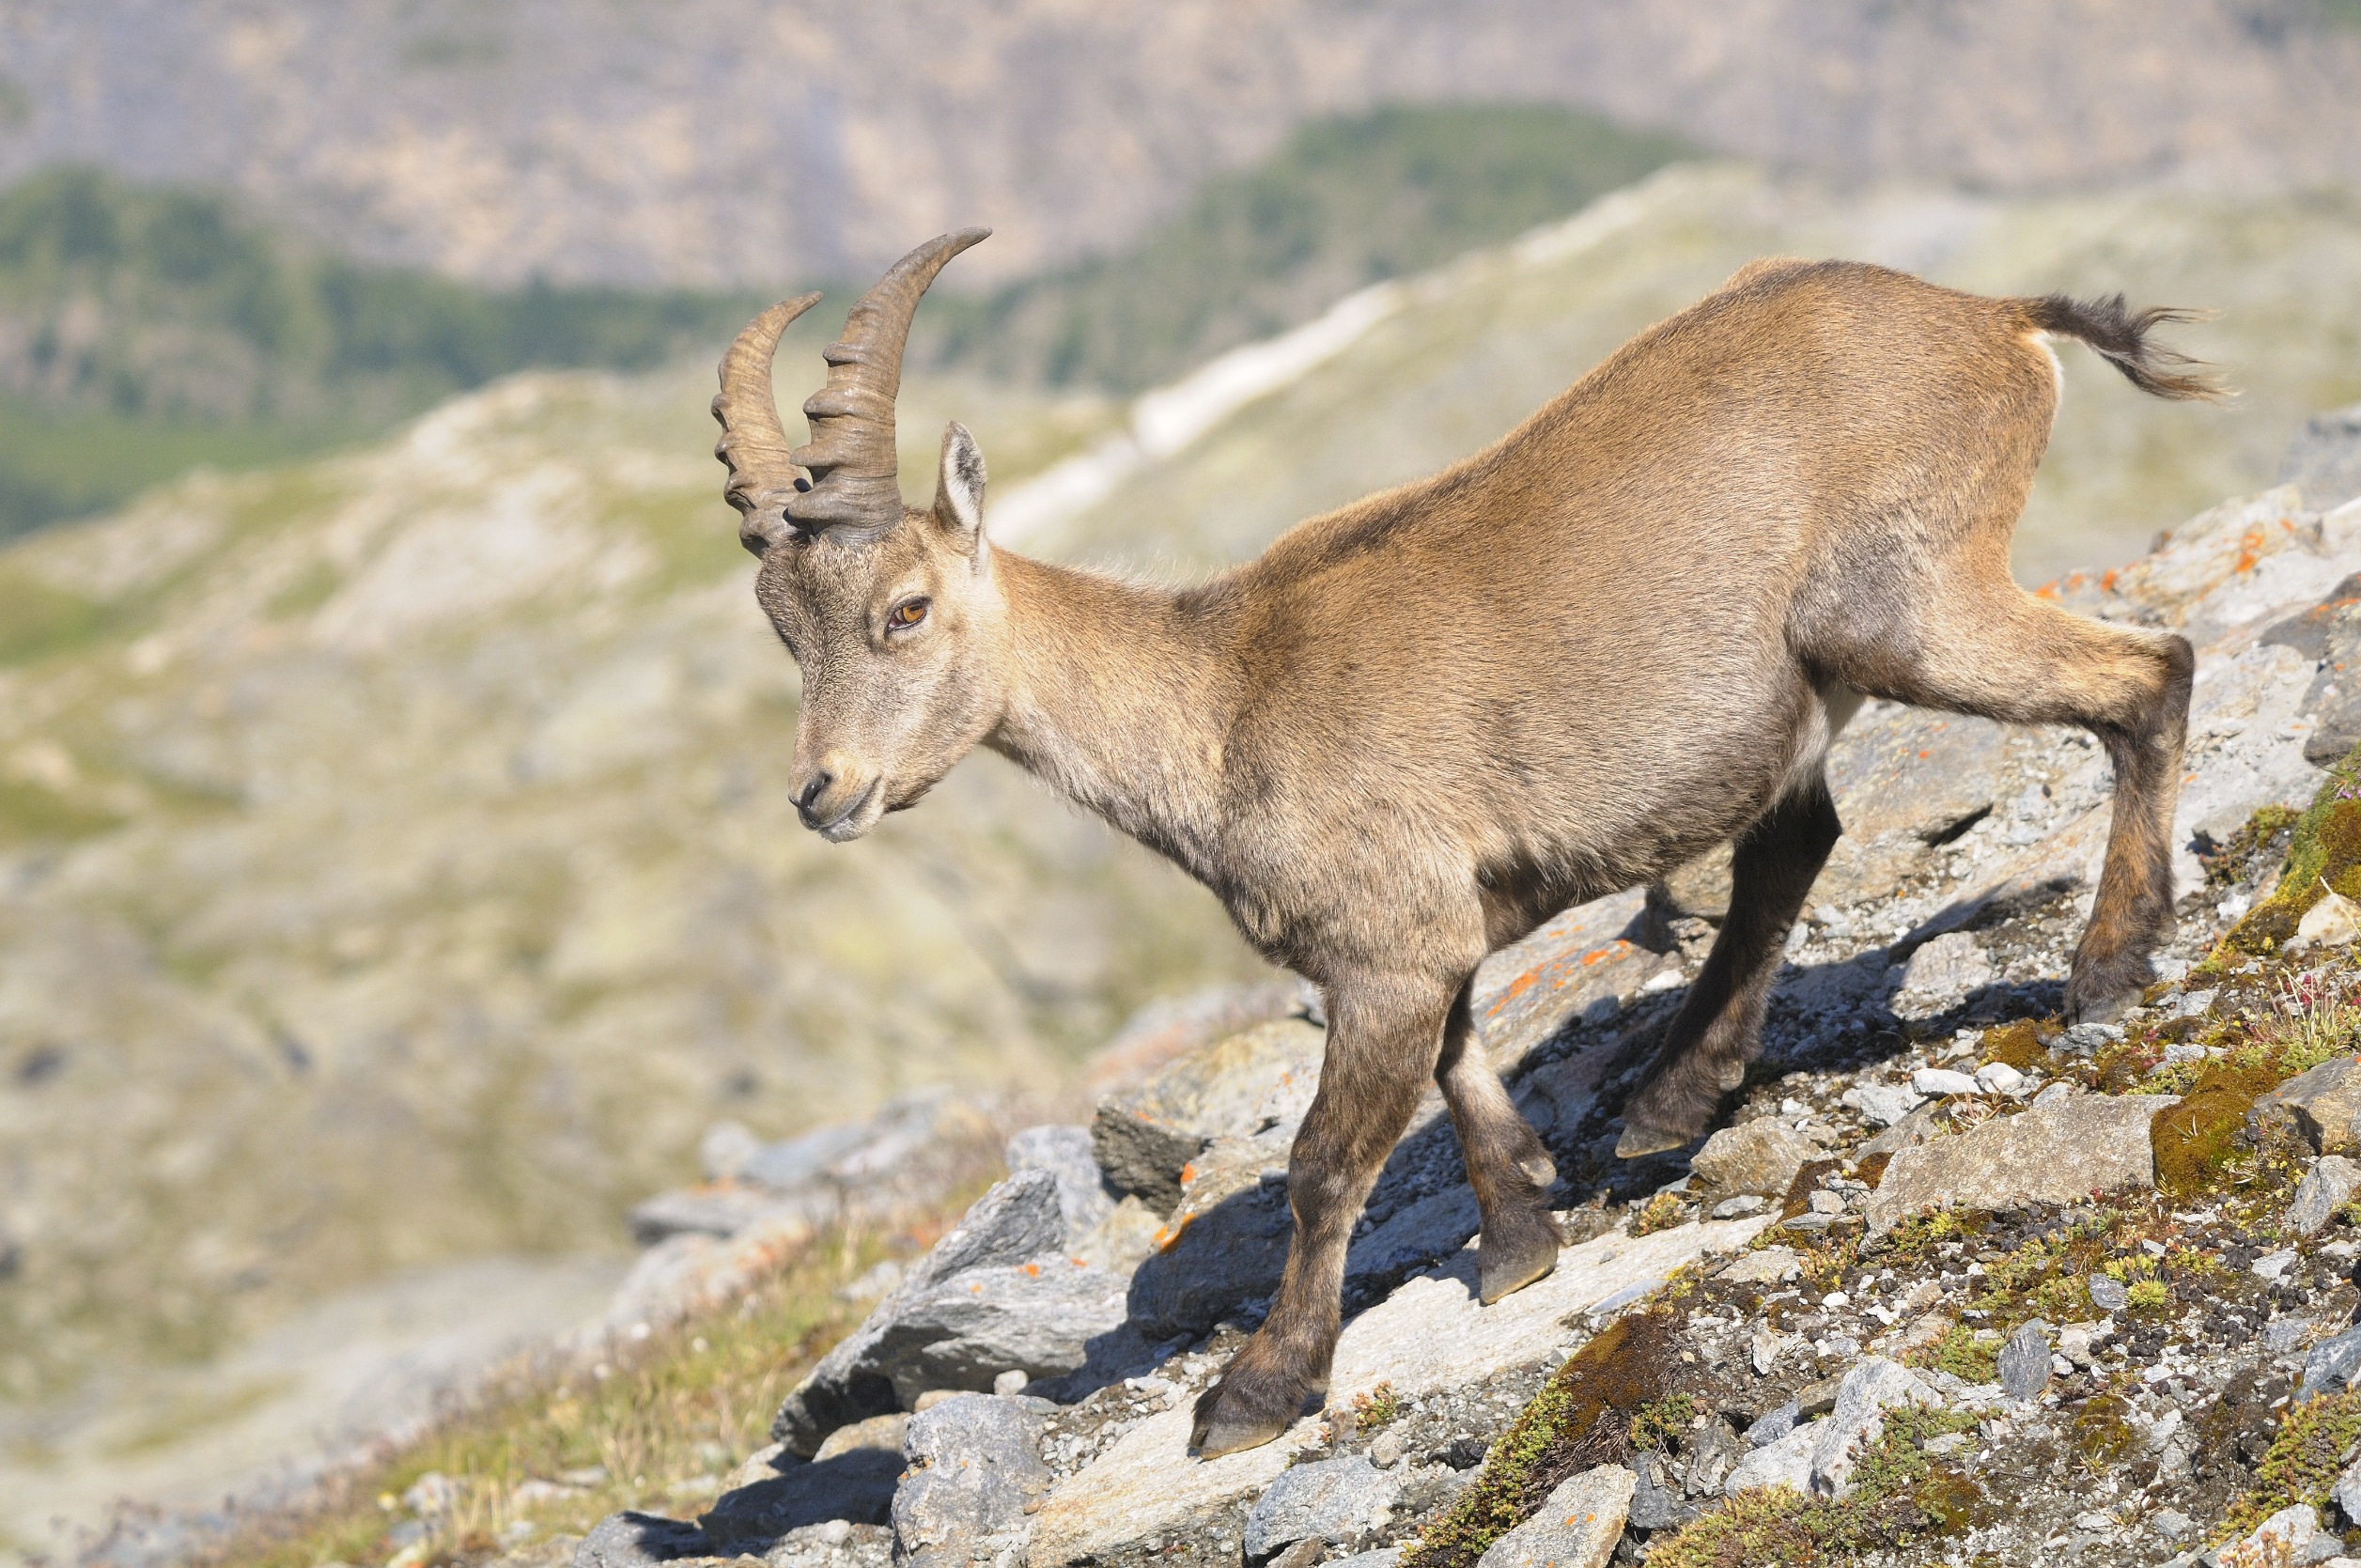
1119	698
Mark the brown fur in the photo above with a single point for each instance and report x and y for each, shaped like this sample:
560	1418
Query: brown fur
1419	725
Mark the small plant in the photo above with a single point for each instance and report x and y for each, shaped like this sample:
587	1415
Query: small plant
1659	1213
2305	1459
1380	1406
1966	1353
2151	1298
1660	1423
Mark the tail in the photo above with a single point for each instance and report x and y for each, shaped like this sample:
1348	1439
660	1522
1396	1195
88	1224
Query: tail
2120	336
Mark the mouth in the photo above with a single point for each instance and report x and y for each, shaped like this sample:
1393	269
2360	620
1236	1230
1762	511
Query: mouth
855	819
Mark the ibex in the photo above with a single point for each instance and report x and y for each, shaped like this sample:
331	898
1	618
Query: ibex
1419	725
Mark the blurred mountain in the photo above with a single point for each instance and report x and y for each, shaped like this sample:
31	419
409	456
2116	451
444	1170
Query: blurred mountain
725	143
144	330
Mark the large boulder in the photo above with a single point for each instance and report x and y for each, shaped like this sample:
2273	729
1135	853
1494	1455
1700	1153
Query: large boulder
1145	1137
2055	1153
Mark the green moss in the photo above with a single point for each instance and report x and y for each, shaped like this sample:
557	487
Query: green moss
1582	1417
2324	851
2016	1044
2306	1457
2196	1143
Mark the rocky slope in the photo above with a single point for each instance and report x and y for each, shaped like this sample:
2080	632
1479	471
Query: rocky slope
727	141
387	866
1953	1285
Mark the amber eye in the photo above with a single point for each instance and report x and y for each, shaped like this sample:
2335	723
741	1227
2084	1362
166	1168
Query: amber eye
906	614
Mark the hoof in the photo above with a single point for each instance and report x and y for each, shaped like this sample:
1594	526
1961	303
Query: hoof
2103	991
1639	1142
1232	1418
1508	1264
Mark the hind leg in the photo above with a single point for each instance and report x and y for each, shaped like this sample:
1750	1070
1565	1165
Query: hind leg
1720	1027
1997	651
1507	1166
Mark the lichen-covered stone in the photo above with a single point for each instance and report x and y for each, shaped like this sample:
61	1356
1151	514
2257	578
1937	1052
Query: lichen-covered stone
1761	1156
2057	1152
1575	1527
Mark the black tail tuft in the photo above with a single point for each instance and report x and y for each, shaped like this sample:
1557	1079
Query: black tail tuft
2120	336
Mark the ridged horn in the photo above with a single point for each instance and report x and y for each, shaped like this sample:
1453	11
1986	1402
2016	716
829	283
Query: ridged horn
851	451
753	444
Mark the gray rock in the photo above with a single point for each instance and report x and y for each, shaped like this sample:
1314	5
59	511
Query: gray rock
1384	1557
716	1211
2108	1293
1121	1241
1740	1206
1016	1220
2331	1364
1656	1501
2088	1039
2325	1102
834	1544
1065	1152
1764	1265
1873	1387
2324	459
726	1149
1575	1527
1784	1461
2292	1537
2283	1334
2346	1493
2024	1361
1225	1244
2060	1151
856	1487
797	1162
1233	1088
2329	634
1772	1425
1332	1499
886	1432
1038	1318
1881	1105
1998	1078
639	1541
1933	1082
1940	974
1923	1123
1759	1157
2324	1189
974	1463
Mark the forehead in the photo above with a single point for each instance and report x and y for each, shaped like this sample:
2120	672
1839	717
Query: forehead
812	582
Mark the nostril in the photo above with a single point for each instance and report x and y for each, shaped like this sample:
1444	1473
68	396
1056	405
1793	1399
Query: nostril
814	790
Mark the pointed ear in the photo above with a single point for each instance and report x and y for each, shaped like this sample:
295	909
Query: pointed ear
959	486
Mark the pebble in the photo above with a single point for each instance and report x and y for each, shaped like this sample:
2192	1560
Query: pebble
1934	1082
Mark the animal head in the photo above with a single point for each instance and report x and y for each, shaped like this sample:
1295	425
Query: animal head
891	610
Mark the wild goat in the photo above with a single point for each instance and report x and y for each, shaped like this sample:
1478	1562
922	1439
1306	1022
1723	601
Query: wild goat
1421	724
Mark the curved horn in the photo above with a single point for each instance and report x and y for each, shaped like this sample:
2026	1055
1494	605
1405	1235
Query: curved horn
753	444
851	452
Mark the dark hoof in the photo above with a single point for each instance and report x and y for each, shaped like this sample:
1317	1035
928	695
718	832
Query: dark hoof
1640	1141
2103	991
1515	1254
1238	1412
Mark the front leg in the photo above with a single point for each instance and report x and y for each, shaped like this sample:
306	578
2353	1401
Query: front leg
1384	1035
